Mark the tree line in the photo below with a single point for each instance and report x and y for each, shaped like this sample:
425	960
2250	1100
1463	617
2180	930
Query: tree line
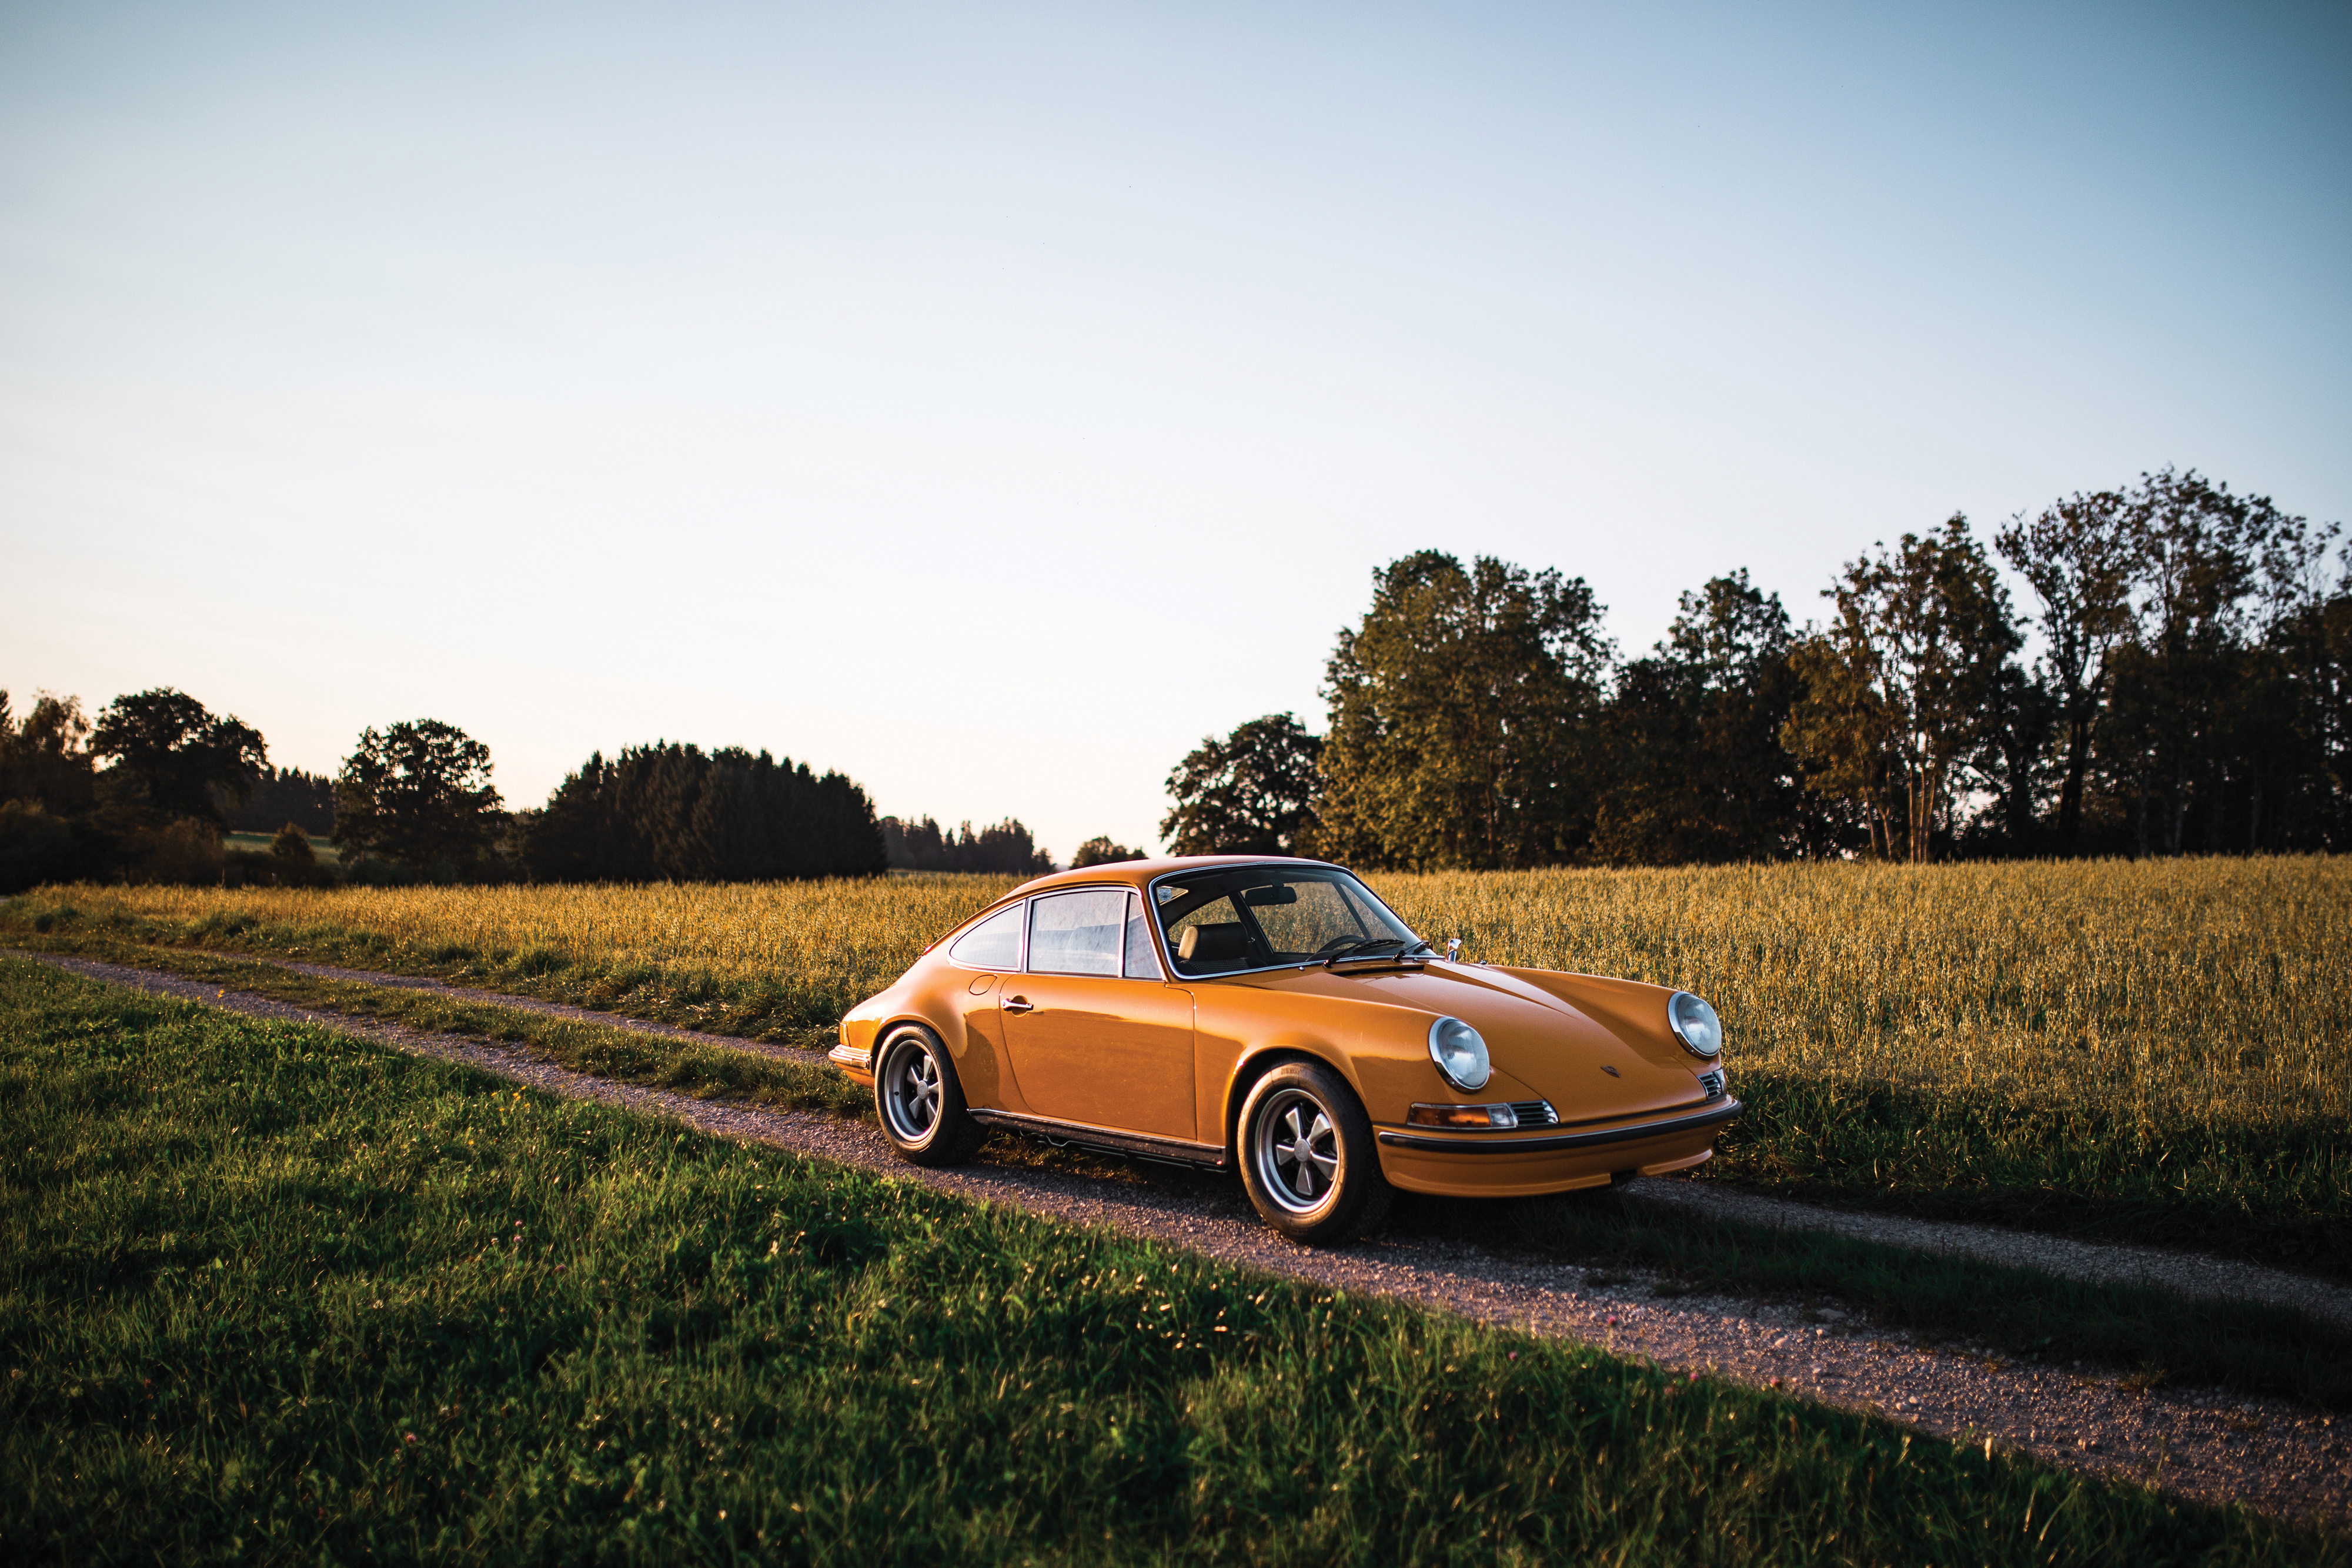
1006	849
2191	693
146	791
155	810
675	813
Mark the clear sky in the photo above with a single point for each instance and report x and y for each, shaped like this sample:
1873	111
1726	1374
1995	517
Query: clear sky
989	401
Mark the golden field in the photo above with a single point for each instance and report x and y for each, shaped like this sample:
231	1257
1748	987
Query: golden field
2205	990
2213	990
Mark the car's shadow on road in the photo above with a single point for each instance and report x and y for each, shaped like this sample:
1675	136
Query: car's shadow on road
1588	1226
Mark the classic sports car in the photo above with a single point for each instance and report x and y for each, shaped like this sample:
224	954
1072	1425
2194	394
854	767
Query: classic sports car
1273	1014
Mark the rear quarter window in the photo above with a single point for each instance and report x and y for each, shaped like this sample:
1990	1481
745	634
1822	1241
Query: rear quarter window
993	944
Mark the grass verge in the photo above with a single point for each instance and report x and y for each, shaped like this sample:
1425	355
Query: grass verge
601	1050
798	1000
2277	1193
268	1294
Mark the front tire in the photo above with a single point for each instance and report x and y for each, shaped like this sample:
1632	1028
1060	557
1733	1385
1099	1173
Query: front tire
920	1101
1308	1158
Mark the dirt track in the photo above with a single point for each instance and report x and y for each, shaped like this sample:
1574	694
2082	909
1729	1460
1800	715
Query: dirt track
2188	1274
2207	1444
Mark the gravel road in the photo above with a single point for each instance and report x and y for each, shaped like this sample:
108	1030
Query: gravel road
2201	1443
533	1004
2188	1274
2098	1263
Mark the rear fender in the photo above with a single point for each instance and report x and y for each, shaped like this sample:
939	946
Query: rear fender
973	1054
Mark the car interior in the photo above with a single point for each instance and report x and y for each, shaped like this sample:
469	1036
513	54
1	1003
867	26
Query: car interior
1224	921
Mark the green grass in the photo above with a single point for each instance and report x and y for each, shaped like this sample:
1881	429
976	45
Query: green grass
2156	1336
2278	1193
623	1056
268	1294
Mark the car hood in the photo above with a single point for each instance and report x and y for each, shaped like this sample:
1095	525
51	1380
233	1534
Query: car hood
1593	1047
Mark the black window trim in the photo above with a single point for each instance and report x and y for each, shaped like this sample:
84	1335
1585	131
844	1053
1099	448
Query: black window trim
1125	887
1020	954
1178	976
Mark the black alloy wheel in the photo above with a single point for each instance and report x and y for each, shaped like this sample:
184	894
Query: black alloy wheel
1308	1158
920	1101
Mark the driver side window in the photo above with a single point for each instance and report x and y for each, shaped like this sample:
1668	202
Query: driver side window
1209	939
1077	933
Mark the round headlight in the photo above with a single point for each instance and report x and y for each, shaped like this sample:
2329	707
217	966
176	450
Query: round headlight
1460	1054
1694	1024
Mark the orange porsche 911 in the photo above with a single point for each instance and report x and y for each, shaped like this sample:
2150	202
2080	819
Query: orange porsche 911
1275	1015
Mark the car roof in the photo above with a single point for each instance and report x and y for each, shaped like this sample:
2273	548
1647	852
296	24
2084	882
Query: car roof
1122	873
1137	874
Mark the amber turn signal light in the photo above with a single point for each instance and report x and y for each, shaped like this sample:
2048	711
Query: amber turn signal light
1485	1116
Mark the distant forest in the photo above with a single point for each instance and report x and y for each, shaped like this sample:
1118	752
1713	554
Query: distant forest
1006	849
278	797
675	813
146	791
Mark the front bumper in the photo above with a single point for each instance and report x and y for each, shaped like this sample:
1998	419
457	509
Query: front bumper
1471	1165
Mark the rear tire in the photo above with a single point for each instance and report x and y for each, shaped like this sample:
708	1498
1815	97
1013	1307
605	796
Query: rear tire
1308	1157
920	1101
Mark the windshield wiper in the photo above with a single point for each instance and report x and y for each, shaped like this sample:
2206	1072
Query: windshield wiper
1367	949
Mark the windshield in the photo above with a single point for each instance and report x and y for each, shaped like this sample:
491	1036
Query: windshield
1231	918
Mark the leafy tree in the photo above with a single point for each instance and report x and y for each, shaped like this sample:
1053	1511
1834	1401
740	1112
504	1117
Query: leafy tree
2172	719
1462	710
1102	851
1842	733
179	756
1252	792
418	792
1897	686
2296	790
677	813
2079	556
294	845
2188	667
46	758
1697	770
2020	721
35	847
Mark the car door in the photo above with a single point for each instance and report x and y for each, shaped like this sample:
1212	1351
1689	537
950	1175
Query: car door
1096	1035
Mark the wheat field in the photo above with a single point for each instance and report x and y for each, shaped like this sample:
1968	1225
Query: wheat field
2211	990
2203	990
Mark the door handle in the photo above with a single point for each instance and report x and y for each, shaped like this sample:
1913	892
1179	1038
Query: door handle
1019	1005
